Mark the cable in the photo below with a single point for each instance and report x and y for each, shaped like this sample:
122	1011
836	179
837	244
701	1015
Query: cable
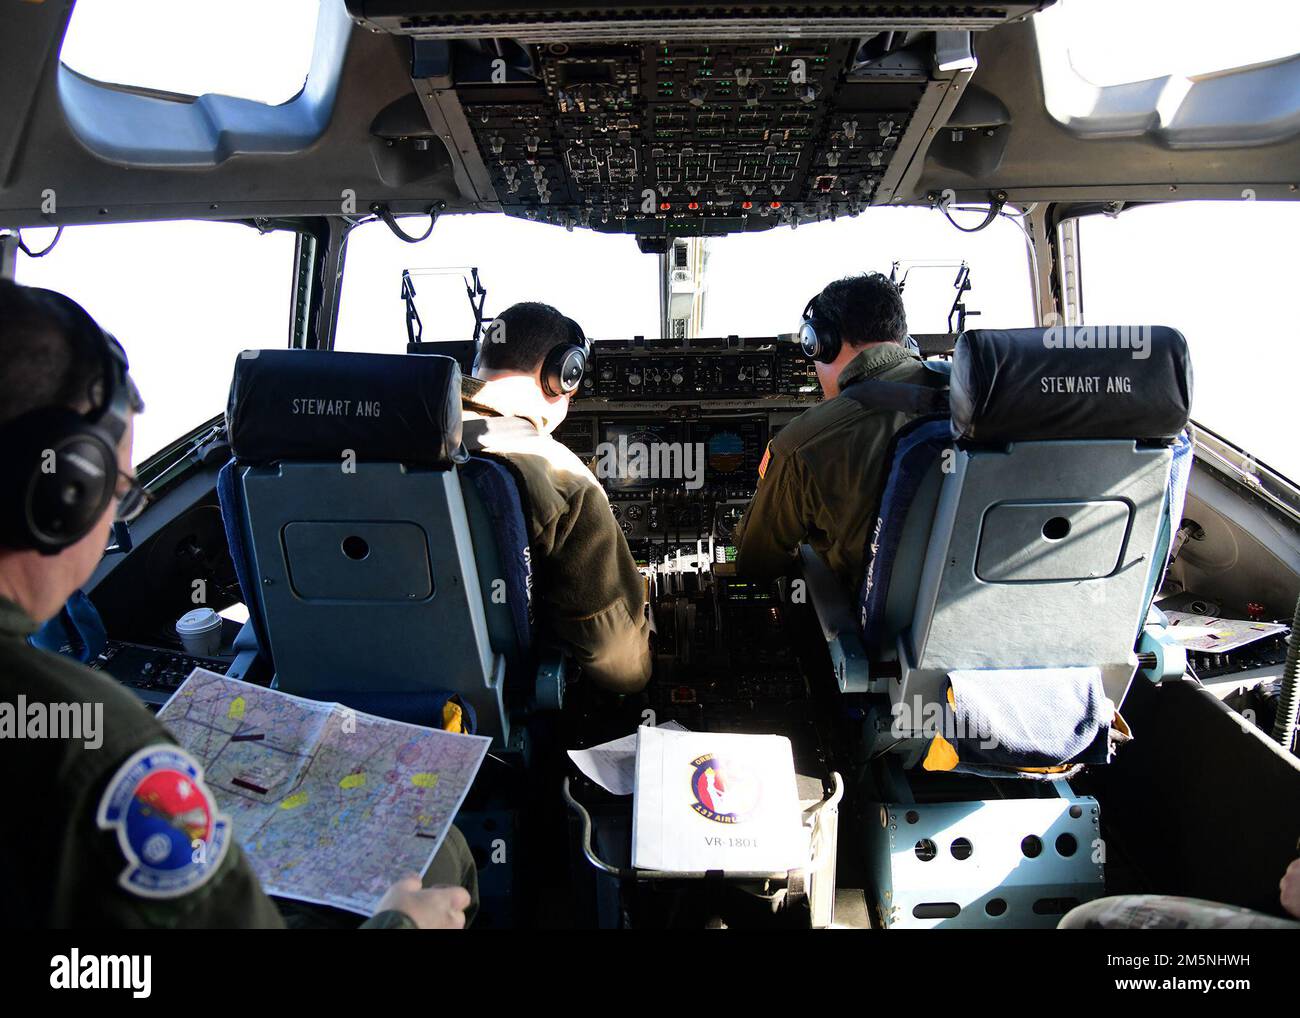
383	213
22	245
994	210
1288	704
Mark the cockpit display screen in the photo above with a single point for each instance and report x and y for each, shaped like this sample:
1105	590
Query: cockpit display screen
732	447
640	454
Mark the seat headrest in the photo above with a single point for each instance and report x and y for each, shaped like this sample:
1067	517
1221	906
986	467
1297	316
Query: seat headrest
1070	382
315	404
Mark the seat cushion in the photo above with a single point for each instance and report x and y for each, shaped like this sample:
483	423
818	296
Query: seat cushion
499	494
916	448
232	518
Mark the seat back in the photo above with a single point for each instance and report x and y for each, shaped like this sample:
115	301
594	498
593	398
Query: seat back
357	526
1031	529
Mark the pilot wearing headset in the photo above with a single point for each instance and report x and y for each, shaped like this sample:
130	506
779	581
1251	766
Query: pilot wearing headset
591	597
83	845
821	478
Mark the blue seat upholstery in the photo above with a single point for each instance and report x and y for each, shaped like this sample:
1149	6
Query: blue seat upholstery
381	566
1030	530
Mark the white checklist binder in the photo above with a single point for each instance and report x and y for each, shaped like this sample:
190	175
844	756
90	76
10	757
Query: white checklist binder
708	801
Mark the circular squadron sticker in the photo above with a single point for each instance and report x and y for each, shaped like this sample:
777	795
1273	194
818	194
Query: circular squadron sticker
725	790
167	823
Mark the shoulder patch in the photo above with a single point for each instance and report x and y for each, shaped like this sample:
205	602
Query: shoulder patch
167	823
767	458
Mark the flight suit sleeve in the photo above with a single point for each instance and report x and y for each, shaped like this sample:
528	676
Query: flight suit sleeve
116	861
769	534
594	597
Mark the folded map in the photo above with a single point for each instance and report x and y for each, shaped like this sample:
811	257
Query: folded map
330	805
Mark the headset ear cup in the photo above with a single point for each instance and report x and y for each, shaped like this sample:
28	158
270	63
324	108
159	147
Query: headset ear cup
564	367
64	475
63	506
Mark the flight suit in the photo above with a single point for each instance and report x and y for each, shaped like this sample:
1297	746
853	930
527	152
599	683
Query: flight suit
590	594
823	475
63	864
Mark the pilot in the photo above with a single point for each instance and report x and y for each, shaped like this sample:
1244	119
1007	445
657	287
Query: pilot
821	478
66	420
529	364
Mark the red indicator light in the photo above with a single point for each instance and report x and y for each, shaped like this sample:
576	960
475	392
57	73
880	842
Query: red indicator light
746	204
775	205
664	206
693	206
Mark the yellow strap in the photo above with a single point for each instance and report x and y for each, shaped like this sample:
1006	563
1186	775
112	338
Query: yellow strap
941	756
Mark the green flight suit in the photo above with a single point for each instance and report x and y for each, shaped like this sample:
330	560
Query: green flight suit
823	477
589	592
59	868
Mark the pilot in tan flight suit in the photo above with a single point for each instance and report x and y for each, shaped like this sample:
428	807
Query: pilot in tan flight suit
822	476
590	594
67	402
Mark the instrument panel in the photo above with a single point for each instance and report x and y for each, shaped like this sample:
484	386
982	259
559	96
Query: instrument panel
676	431
701	369
677	138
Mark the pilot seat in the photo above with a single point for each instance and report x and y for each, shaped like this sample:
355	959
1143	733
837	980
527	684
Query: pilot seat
382	566
1006	607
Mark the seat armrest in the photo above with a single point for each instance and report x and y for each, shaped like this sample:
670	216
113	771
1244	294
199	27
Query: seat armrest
246	651
839	624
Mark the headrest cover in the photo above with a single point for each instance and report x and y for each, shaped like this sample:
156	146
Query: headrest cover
1070	382
315	404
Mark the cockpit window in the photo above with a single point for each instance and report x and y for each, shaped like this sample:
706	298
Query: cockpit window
192	48
1184	38
755	285
603	281
182	298
1223	273
758	284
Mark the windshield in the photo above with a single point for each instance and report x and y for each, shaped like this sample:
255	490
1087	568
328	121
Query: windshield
182	298
756	284
1223	274
603	281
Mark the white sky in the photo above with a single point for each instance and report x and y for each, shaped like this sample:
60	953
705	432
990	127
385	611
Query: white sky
186	297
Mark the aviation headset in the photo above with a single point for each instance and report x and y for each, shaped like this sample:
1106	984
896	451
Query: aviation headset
60	465
565	364
819	334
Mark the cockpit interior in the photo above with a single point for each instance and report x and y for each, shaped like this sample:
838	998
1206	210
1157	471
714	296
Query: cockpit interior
1099	266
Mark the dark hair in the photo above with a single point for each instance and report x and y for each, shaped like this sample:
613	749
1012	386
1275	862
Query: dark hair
46	358
866	309
521	336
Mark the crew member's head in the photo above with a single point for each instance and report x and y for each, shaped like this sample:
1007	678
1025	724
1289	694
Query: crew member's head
66	410
532	345
850	315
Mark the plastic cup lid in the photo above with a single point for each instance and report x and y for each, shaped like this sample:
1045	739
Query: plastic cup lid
200	620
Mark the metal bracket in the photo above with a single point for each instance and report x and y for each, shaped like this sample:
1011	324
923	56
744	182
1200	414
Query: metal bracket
1160	656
